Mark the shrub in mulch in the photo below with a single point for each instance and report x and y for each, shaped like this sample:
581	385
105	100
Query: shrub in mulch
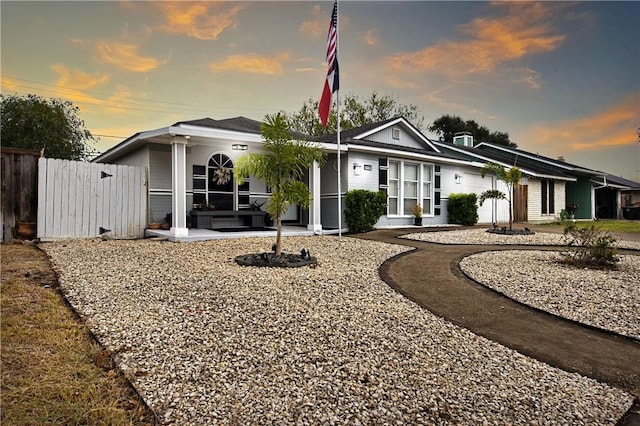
505	231
285	260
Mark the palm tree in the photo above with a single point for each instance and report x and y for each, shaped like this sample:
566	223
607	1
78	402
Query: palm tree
510	177
280	166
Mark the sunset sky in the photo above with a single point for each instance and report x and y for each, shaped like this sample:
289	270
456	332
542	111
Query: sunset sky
562	78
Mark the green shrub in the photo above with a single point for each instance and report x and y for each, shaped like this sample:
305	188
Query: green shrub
463	209
363	209
589	247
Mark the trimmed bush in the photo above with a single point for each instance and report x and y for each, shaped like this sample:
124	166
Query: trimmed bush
463	209
363	209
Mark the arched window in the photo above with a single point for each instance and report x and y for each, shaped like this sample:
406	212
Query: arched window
220	182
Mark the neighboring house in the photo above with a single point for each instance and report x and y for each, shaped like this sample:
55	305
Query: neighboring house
597	194
541	193
550	185
190	165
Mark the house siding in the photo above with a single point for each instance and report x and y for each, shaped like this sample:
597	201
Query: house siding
406	139
137	158
581	193
367	179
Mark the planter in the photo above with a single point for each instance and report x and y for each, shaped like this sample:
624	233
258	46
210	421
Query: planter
417	221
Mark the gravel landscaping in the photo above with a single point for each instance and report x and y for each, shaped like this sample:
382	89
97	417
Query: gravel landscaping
481	236
604	299
207	341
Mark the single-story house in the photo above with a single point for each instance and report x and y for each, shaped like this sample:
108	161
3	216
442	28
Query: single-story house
190	168
551	185
191	182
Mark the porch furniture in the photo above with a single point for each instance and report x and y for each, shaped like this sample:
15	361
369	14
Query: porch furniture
217	219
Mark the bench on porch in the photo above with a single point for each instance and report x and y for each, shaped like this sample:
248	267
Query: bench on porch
218	219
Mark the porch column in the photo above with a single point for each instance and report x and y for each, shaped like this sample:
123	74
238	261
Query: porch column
179	186
315	223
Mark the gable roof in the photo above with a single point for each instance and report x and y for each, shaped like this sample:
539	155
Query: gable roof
357	135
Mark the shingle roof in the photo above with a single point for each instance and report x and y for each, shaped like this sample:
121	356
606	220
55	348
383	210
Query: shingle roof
504	158
240	124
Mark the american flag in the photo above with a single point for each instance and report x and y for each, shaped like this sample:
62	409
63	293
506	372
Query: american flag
332	82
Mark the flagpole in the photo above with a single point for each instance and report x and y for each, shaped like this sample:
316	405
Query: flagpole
338	127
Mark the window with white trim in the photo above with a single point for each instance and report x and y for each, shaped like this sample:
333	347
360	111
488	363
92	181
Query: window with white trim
427	189
394	189
409	183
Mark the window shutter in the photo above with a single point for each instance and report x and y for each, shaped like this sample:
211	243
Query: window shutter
552	206
199	184
383	170
436	188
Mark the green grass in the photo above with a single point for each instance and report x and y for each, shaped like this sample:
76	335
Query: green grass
49	371
625	226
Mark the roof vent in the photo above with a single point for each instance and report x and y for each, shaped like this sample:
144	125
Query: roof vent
561	159
463	139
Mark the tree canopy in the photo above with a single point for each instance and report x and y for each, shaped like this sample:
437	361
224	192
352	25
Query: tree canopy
53	125
354	112
448	125
280	166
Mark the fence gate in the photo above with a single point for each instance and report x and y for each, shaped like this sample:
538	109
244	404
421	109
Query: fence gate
79	199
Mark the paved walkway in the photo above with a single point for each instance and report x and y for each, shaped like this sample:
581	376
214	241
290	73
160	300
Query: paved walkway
430	276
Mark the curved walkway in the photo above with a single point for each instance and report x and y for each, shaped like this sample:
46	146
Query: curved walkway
431	277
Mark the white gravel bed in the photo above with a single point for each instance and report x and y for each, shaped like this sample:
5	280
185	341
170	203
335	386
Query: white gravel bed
604	299
481	236
206	341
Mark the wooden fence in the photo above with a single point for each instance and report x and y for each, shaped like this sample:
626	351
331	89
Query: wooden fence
520	203
79	199
19	168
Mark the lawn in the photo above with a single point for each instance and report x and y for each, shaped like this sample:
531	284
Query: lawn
628	226
53	371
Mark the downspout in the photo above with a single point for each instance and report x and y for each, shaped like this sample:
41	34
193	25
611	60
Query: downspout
593	204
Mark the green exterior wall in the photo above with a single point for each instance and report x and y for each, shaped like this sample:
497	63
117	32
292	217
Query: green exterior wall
579	192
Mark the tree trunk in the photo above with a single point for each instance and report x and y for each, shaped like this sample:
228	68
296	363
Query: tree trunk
278	235
511	209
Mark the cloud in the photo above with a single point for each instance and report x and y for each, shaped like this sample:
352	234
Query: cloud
201	20
614	126
125	55
486	43
8	84
252	64
370	38
317	26
76	79
530	79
